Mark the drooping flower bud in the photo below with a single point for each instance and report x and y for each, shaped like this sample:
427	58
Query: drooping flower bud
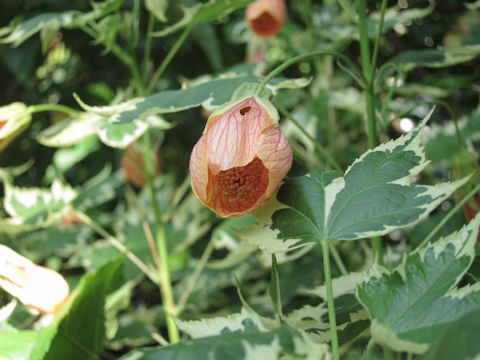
241	158
35	286
14	118
134	166
266	17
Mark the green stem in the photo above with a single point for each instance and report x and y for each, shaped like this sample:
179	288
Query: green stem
371	121
165	281
368	68
337	259
277	71
148	46
166	285
131	256
52	107
449	215
370	349
166	61
331	306
377	248
317	145
364	44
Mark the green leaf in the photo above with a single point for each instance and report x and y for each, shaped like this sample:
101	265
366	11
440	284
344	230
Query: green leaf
238	337
78	331
157	8
38	207
24	30
412	305
436	58
71	131
208	11
16	344
210	94
18	33
373	198
459	341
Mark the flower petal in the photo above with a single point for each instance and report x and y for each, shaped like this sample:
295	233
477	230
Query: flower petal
199	169
232	137
275	152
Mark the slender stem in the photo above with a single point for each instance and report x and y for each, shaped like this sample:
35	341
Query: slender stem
317	145
159	338
364	44
165	281
331	306
148	46
169	58
371	121
370	349
337	259
449	215
286	64
52	107
131	256
409	356
167	294
193	280
377	248
387	353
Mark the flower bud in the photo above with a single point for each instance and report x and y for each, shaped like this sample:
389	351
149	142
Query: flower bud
14	118
134	166
241	158
266	17
34	285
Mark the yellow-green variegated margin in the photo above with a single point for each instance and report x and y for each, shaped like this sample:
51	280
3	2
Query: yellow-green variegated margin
376	195
411	305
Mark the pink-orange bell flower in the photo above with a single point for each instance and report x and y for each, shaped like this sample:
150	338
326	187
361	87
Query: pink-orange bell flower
241	158
35	286
266	17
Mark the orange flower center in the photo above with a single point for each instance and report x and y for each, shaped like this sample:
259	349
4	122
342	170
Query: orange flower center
237	189
265	25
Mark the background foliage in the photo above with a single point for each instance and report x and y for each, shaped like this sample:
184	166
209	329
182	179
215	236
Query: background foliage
232	299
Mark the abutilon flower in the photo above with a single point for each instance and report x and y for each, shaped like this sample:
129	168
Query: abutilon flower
241	158
34	285
266	17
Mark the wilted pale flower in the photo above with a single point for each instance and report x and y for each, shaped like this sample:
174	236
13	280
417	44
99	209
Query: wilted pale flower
14	118
266	17
241	158
34	285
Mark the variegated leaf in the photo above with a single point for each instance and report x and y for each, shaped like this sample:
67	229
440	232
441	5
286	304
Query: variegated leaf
38	207
413	304
374	197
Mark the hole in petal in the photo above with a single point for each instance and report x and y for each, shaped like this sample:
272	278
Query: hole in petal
237	189
245	110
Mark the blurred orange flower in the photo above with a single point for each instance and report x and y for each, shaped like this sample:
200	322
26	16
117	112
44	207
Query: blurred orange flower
241	158
266	17
35	286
